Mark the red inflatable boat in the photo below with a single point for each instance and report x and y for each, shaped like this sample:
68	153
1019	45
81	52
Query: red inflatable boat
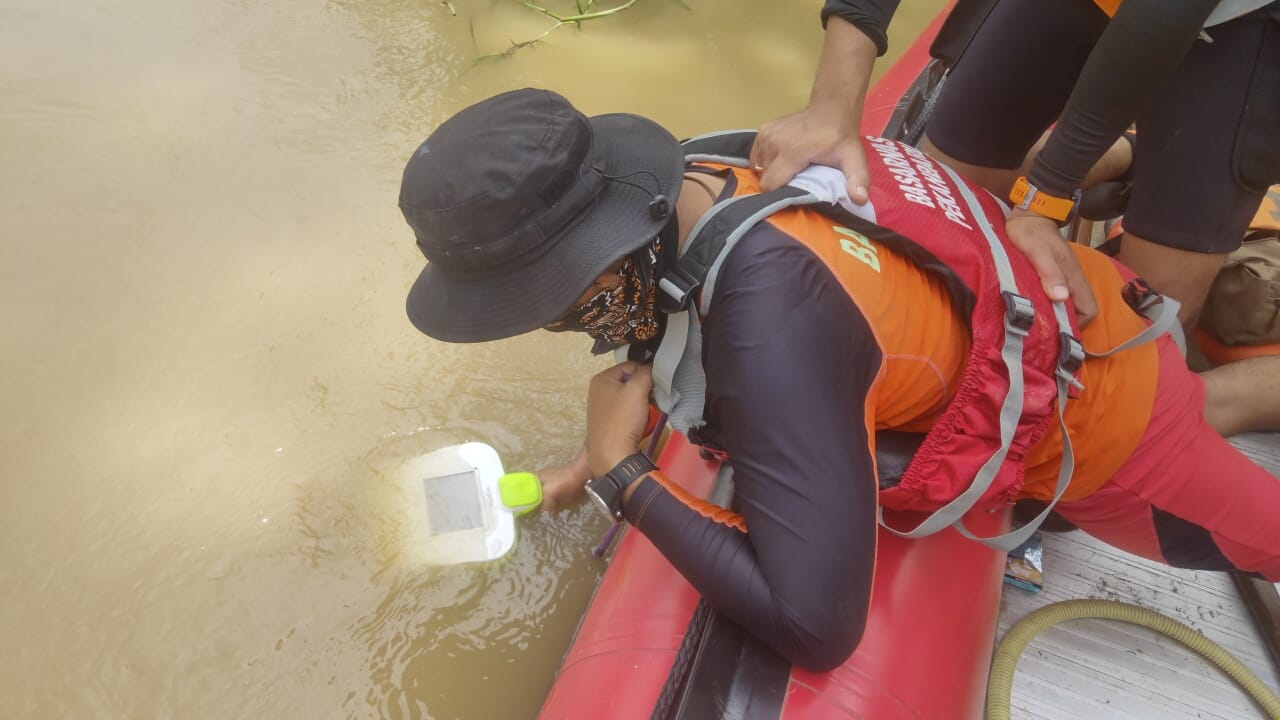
648	649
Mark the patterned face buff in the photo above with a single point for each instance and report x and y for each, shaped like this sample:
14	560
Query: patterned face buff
624	313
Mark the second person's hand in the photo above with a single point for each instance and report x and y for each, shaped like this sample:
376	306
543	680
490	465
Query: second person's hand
827	131
785	146
1060	274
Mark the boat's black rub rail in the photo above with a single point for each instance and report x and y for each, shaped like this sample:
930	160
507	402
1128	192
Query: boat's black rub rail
733	677
721	671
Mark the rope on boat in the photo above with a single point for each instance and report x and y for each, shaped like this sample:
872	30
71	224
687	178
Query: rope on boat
1000	688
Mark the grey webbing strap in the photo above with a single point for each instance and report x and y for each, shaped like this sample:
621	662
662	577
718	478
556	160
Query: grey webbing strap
1164	319
1065	379
680	387
675	340
665	284
1011	540
1011	354
1232	9
707	217
670	350
727	147
711	239
783	202
679	381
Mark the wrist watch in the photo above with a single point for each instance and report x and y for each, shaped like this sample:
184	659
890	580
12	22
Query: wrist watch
606	491
1026	196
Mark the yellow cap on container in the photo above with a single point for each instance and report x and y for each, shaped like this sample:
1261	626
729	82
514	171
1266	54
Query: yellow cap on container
521	492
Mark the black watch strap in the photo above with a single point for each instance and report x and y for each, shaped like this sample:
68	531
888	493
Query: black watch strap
607	490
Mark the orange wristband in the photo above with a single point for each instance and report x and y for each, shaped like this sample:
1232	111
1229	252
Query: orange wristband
1026	196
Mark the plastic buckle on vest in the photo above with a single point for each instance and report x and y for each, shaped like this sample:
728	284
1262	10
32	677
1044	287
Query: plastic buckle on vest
708	442
676	291
1070	361
1138	295
1019	313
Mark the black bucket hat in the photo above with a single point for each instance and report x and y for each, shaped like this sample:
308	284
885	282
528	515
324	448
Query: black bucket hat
520	201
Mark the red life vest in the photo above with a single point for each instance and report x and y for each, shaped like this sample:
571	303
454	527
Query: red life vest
1023	354
968	432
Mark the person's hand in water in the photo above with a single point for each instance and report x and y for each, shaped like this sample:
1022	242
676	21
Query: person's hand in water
564	486
617	414
1060	274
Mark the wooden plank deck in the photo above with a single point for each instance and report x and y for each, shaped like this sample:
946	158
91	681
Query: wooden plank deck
1098	670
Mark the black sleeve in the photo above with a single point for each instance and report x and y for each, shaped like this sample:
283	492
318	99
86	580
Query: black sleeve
870	16
789	362
1138	51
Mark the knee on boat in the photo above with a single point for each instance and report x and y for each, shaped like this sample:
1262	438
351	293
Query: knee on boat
831	643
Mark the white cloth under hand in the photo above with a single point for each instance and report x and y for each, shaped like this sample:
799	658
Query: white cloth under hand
831	186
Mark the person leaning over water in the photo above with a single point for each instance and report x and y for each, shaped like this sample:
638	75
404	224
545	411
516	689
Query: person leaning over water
532	215
1206	104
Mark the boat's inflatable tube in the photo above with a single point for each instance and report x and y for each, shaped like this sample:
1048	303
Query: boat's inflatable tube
925	654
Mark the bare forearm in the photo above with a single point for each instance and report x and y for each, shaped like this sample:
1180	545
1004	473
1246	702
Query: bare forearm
826	131
844	70
562	485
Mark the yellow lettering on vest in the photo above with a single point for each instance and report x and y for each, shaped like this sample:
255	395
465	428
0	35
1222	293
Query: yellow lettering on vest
857	245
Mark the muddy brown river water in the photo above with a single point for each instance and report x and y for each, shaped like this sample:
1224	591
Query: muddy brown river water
208	378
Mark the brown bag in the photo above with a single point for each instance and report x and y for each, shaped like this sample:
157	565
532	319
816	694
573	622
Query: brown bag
1243	307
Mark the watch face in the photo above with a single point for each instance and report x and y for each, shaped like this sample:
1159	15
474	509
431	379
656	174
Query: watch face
601	503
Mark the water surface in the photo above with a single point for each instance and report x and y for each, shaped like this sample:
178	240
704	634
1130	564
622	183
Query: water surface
208	379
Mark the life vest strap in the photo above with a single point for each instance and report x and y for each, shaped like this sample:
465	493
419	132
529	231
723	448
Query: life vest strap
1071	355
728	147
1163	314
1161	310
1019	313
1070	360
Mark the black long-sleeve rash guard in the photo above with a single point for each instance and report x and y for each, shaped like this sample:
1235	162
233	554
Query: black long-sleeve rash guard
870	16
1138	51
789	361
1140	48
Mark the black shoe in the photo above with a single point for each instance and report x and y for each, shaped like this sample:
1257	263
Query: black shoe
1024	511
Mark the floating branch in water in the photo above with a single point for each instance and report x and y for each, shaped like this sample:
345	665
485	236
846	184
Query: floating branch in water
584	13
522	44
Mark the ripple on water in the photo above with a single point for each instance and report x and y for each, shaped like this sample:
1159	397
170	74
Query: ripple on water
456	641
453	638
